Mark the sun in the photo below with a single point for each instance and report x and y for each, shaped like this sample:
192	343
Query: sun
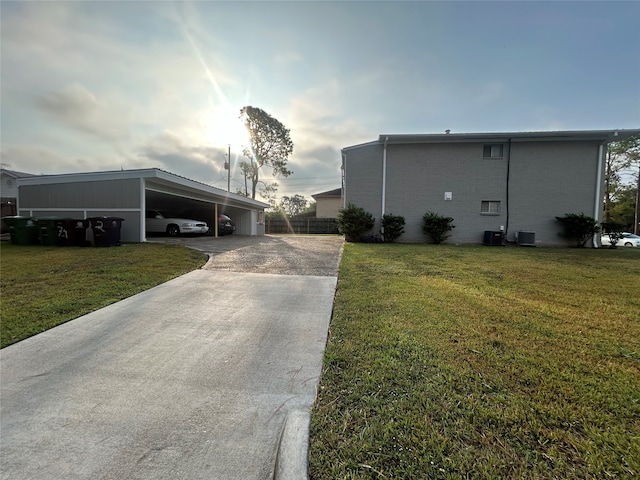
224	128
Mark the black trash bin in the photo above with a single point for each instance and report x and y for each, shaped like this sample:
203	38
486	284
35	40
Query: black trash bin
72	232
48	231
106	231
22	230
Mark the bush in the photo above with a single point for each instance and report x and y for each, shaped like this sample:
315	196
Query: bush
353	222
437	226
614	231
578	227
392	226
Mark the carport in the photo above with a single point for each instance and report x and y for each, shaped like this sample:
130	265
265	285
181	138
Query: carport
128	193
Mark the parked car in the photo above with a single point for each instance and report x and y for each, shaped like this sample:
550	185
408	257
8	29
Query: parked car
157	221
627	240
225	225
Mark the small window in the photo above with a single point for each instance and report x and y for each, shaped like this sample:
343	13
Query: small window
492	151
490	207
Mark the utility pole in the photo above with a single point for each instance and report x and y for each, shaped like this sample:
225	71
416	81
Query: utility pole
636	217
229	170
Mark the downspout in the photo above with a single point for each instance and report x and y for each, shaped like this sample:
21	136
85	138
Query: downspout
506	227
344	177
598	200
143	209
384	182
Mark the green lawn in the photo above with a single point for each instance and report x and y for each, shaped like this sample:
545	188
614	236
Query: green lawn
45	286
481	362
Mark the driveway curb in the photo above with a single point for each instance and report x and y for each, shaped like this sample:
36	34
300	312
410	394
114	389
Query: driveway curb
292	457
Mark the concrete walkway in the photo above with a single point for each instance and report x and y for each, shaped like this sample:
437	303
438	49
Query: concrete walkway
208	376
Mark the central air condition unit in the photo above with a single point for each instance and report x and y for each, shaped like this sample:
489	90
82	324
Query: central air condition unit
526	239
493	238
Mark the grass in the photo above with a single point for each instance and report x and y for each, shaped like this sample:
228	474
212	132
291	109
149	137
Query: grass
45	286
448	362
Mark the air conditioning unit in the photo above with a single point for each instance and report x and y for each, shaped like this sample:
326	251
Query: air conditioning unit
526	239
493	238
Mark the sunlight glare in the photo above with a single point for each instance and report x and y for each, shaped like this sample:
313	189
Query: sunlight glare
225	128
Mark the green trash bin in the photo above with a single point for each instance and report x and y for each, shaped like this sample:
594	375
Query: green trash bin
50	234
23	230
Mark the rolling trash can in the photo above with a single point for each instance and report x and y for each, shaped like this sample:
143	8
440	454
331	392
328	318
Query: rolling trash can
72	232
22	230
106	231
48	231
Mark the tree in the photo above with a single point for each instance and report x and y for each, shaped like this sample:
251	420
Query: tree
310	209
268	192
270	145
622	157
579	227
622	209
294	205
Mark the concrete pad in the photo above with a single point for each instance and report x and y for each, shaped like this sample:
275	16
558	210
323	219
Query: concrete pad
192	379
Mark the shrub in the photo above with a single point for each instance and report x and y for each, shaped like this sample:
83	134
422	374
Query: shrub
578	227
437	226
614	231
353	222
392	226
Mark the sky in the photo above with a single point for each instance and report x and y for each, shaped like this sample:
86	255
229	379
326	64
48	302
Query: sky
110	85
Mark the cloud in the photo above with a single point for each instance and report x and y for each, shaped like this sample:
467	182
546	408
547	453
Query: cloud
287	59
171	152
42	160
78	108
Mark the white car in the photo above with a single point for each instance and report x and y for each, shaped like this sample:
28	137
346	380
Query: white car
157	221
627	240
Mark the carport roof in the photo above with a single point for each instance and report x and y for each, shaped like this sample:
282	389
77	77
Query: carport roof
152	174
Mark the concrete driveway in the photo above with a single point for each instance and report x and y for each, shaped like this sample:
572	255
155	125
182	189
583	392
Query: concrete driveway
208	376
277	254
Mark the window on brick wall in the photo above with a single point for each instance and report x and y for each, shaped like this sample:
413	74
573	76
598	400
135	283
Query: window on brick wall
490	207
492	151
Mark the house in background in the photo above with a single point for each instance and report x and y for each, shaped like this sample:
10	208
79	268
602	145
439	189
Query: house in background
9	191
328	203
508	185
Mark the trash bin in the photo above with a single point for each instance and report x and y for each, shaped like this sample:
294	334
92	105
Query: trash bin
48	231
22	230
72	232
106	231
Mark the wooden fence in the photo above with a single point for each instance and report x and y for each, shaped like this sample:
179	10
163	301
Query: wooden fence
302	225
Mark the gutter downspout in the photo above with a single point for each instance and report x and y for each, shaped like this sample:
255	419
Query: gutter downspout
598	200
143	210
344	178
506	229
384	182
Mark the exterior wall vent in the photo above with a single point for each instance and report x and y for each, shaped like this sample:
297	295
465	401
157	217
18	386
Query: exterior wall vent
526	238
